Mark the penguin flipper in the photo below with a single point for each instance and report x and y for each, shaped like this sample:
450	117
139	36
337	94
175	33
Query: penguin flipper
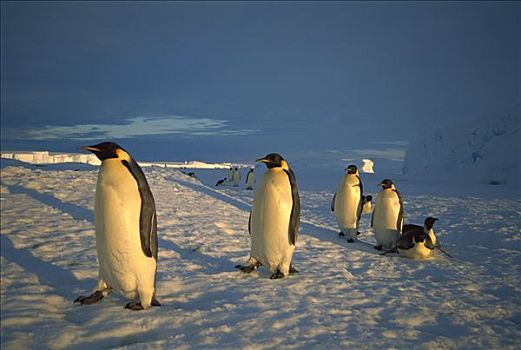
333	203
249	224
361	203
399	222
295	209
147	217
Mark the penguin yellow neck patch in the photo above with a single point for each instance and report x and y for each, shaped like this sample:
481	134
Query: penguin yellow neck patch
284	165
122	154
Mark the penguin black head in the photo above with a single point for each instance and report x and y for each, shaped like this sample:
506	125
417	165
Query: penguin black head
352	169
273	160
104	150
429	222
386	183
368	198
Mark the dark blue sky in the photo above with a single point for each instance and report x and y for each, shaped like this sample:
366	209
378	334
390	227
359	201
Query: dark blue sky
234	80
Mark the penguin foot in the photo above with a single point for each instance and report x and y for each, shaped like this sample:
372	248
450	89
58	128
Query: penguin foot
392	250
277	275
341	234
246	269
293	270
91	299
378	247
350	240
154	302
135	306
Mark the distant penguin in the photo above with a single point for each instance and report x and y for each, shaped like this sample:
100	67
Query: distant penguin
221	182
367	205
347	203
250	179
236	177
274	219
387	218
230	175
126	230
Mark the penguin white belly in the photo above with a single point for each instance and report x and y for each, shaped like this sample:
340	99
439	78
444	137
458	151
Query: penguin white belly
123	265
270	217
419	251
236	177
250	180
347	204
386	212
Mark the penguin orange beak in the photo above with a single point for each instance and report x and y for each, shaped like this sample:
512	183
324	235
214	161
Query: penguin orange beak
264	160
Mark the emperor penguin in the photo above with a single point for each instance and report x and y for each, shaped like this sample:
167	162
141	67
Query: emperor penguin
367	205
419	242
347	203
250	179
274	219
230	175
236	177
387	218
126	230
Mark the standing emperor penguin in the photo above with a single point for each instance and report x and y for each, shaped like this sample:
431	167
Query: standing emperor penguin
347	203
230	175
387	218
274	219
250	179
236	177
126	230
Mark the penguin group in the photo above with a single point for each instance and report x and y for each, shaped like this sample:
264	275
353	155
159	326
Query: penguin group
235	178
387	218
126	223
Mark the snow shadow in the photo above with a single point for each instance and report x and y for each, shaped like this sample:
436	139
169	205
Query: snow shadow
321	233
48	274
210	264
76	211
213	193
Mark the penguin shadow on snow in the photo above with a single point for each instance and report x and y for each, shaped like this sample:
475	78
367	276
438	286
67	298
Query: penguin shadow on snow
209	264
60	280
76	211
321	233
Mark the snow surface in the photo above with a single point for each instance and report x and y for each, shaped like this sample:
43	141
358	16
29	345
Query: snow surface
484	151
345	296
